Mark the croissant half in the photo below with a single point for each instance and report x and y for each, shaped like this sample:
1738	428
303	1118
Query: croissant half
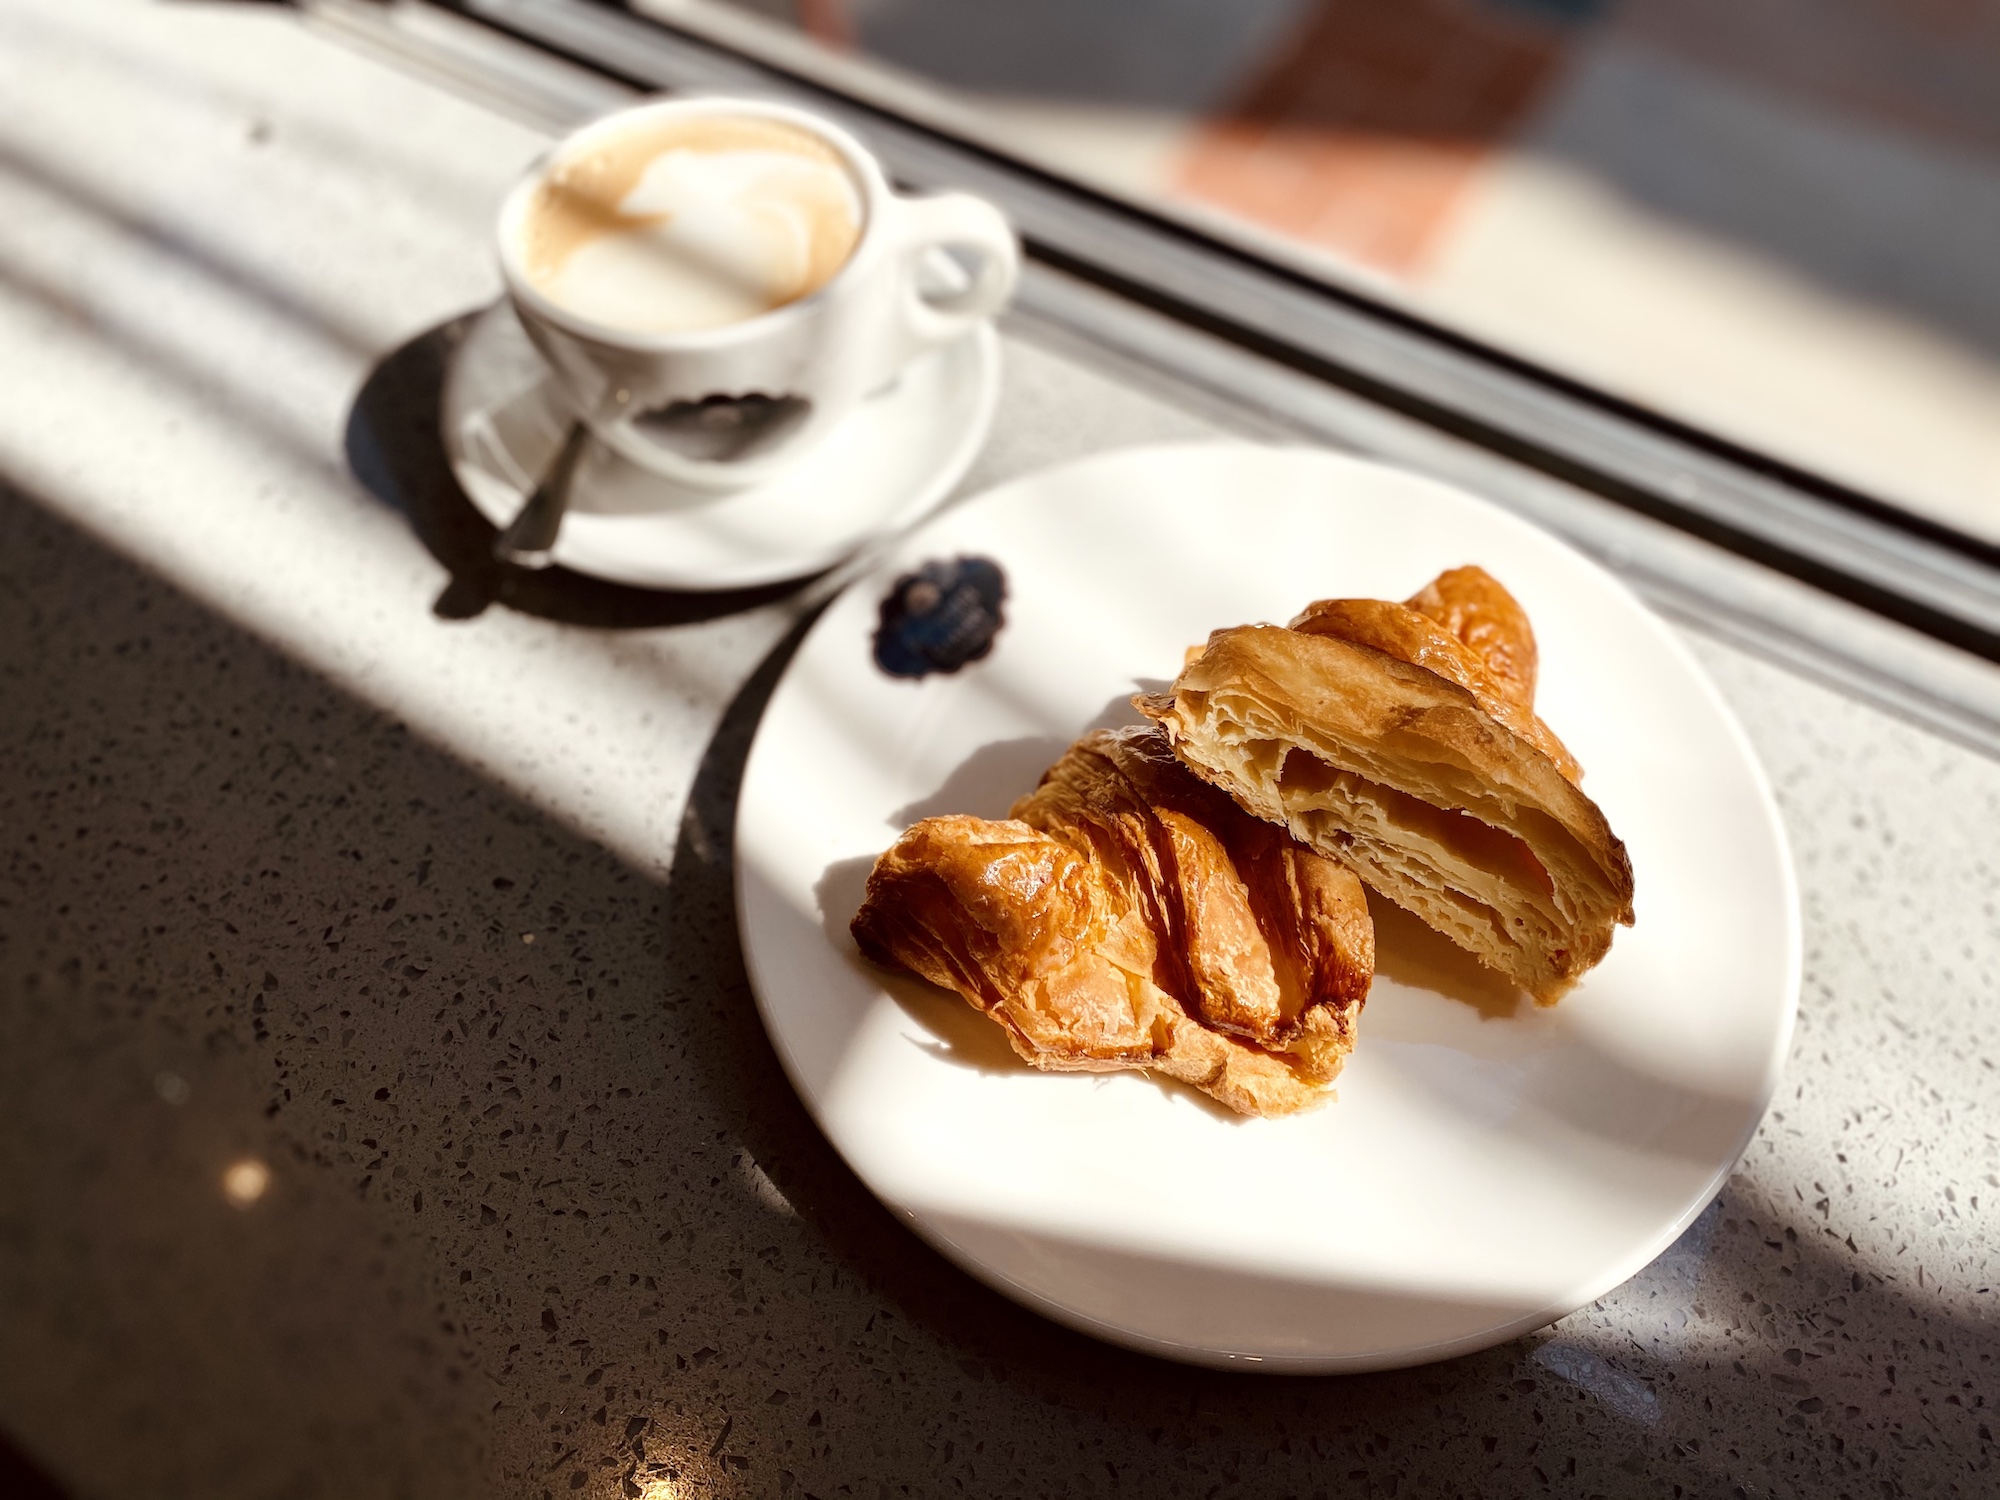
1129	916
1401	740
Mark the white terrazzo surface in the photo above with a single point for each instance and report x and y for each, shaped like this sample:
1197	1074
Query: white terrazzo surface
281	800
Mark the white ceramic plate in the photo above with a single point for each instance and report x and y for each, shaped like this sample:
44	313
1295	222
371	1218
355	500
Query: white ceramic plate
1487	1166
898	455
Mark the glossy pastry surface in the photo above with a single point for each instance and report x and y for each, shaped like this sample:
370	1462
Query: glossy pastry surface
1494	660
1470	604
1129	916
1258	937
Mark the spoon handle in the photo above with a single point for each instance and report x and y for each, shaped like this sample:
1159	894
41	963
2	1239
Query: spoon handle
529	539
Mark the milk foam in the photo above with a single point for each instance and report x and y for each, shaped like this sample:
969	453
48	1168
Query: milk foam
694	225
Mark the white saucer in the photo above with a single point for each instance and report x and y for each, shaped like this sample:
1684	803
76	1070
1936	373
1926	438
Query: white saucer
895	458
1488	1166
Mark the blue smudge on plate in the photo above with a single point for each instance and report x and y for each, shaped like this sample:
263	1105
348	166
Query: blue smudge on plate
940	617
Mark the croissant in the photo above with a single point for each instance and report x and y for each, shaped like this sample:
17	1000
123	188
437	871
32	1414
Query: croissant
1466	628
1401	739
1128	916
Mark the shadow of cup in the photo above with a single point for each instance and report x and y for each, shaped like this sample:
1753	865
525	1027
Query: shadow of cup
396	453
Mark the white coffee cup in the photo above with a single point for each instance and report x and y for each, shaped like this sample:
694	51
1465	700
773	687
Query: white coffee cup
720	407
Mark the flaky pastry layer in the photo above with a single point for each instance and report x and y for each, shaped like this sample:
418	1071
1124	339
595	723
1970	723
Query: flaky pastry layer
1382	736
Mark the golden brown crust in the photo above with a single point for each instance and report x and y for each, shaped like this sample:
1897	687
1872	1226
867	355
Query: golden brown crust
1488	614
1024	928
1255	933
1124	905
1405	776
1470	603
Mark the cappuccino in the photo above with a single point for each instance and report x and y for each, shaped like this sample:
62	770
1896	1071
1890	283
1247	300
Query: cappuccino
680	225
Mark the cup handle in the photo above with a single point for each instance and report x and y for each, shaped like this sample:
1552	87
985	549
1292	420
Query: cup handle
955	221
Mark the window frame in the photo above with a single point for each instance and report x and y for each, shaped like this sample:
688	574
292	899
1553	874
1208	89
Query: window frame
1696	520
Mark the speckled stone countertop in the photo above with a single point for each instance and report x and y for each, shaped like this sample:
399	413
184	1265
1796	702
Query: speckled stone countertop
325	849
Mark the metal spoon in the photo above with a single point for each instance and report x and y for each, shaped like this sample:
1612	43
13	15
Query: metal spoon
529	540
